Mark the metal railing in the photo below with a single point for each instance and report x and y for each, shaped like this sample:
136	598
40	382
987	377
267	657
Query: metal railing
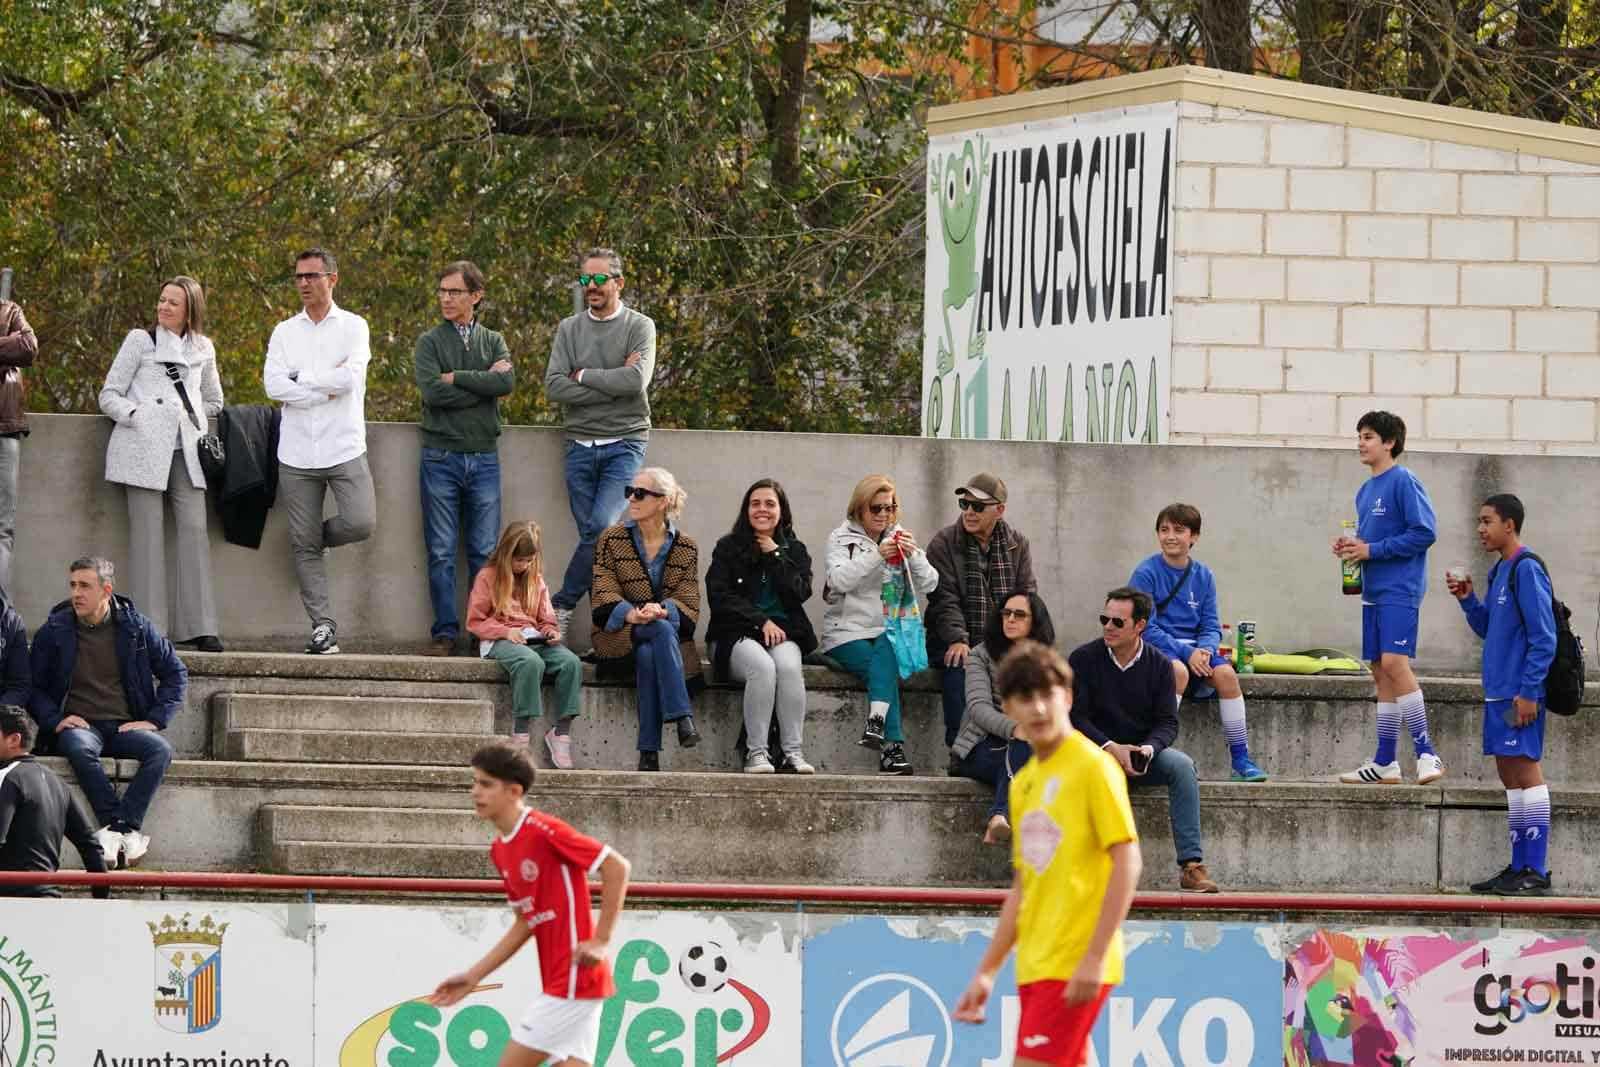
1416	904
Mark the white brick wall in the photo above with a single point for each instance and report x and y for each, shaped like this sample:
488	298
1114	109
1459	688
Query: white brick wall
1327	270
1257	188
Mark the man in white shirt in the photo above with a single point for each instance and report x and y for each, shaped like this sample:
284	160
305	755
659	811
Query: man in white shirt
317	367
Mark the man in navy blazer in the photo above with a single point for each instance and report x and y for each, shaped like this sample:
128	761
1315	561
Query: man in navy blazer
106	682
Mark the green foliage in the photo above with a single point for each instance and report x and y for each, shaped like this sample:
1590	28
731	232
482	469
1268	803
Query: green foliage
217	138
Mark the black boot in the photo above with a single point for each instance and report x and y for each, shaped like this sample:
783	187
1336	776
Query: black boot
688	736
649	761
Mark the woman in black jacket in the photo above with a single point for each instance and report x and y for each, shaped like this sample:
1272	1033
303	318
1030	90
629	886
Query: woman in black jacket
757	585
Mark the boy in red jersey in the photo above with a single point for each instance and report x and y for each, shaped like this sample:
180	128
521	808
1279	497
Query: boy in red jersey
545	864
1076	856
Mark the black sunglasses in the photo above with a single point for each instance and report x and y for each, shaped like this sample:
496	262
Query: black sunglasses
882	509
639	492
966	503
1014	613
1118	623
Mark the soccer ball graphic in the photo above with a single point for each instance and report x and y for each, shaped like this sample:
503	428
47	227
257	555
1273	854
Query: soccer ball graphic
704	967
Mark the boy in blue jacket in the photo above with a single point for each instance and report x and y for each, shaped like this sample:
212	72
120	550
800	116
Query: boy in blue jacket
1394	529
1518	627
1186	629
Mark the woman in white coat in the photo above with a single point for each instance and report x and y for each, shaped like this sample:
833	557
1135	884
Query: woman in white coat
867	553
153	451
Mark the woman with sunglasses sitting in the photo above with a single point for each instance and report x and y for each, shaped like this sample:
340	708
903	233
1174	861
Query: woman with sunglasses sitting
987	749
758	583
870	557
646	600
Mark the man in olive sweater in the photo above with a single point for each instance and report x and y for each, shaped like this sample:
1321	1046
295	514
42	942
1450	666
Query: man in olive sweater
600	368
462	369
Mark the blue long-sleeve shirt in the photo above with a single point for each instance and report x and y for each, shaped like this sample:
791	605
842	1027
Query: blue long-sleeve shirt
1516	659
1395	518
1190	619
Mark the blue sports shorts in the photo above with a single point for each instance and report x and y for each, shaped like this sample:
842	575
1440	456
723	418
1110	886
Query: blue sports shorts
1501	738
1388	629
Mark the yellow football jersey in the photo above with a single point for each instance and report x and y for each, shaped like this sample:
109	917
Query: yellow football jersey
1068	811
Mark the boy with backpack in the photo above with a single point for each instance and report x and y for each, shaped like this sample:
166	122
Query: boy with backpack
1518	627
1186	629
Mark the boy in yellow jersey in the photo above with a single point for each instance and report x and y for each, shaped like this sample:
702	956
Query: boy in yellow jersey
1076	857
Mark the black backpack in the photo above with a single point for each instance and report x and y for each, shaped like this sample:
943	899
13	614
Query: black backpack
1563	686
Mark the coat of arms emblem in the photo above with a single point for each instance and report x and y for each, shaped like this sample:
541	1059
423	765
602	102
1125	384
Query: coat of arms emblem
188	973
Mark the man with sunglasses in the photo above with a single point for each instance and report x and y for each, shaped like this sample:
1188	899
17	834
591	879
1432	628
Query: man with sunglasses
317	368
981	562
462	368
1122	700
599	371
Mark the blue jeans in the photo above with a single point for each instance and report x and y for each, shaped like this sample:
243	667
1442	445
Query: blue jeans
457	486
83	749
995	763
596	477
953	687
658	672
1175	770
872	660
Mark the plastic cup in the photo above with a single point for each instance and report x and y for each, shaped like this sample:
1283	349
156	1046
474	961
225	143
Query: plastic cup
1458	573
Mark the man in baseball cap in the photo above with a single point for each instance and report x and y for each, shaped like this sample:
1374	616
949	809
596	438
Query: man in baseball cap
981	560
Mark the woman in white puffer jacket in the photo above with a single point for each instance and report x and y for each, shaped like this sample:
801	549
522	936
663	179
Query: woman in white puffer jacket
868	552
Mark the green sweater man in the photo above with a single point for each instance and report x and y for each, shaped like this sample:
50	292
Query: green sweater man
462	415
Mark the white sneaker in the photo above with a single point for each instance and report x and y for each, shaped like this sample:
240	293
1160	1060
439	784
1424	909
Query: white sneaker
1370	773
134	846
1430	768
111	844
758	762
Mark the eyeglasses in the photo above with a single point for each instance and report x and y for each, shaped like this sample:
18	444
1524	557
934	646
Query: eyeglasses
1014	613
597	279
312	275
883	509
1109	620
453	293
966	503
639	492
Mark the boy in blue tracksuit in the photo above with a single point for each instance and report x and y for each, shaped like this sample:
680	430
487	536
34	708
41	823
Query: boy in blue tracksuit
1394	529
1519	642
1186	629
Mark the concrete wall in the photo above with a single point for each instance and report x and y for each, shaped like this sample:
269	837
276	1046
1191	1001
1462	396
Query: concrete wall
1088	510
1323	270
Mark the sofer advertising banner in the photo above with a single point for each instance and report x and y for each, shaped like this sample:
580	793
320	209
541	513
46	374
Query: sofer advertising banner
1047	302
1427	998
693	990
879	993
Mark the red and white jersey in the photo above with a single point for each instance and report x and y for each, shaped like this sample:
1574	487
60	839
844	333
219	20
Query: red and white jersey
546	866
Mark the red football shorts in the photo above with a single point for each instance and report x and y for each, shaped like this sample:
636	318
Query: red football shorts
1053	1031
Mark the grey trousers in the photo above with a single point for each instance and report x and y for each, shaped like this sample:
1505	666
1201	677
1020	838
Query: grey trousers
179	599
10	453
772	681
302	492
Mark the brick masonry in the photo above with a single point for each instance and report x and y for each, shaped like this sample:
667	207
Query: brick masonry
1324	270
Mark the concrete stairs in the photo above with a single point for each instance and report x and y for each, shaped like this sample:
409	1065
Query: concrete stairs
337	729
356	765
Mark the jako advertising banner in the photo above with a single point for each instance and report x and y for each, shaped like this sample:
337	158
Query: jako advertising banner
1047	302
190	984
